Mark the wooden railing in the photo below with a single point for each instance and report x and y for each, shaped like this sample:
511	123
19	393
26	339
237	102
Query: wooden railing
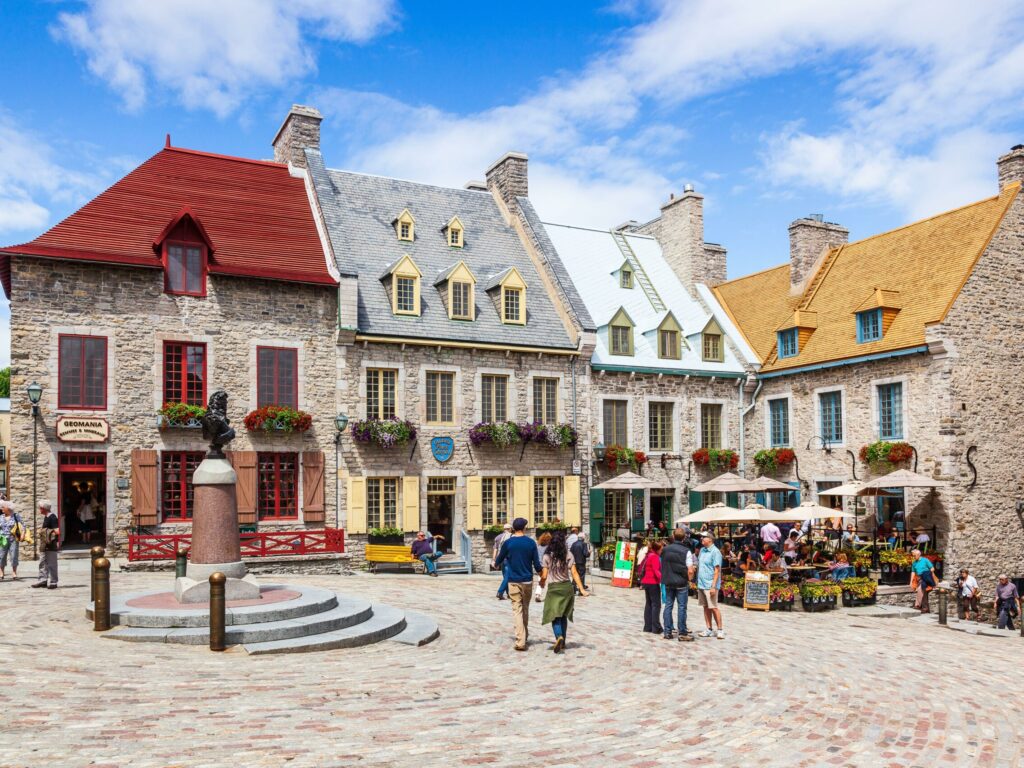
164	546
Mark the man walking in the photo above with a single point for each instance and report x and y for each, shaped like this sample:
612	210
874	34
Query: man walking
676	570
498	541
521	555
50	539
423	550
580	552
1006	603
709	580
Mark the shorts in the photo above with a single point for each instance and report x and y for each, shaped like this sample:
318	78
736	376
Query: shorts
708	598
970	604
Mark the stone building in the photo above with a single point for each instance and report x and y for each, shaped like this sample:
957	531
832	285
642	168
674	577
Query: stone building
910	336
194	272
666	380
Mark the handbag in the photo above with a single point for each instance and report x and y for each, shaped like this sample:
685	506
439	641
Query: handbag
18	532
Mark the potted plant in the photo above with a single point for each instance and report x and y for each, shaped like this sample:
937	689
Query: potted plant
817	595
551	527
716	458
500	434
937	561
385	535
551	435
619	455
770	459
732	589
858	591
386	433
782	595
277	418
895	564
180	416
606	556
882	454
491	532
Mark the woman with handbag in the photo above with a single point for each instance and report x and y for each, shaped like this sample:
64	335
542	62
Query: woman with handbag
12	531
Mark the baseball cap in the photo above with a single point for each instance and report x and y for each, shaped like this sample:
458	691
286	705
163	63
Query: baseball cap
507	526
519	524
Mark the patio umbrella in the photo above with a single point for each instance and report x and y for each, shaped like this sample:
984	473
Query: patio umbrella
811	511
901	478
713	513
627	481
729	483
720	513
768	484
852	488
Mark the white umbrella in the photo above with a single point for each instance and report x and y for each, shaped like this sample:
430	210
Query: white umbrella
720	513
712	513
811	511
901	478
627	481
852	488
768	484
728	483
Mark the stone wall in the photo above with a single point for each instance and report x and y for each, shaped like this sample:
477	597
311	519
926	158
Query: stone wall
680	233
129	307
808	241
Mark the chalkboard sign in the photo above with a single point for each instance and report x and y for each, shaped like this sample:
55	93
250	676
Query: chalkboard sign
755	590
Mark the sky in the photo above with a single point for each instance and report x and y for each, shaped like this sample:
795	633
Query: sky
874	113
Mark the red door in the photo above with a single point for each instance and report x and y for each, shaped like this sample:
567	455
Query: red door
82	479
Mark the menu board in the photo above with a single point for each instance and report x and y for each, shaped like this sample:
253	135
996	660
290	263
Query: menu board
622	571
755	590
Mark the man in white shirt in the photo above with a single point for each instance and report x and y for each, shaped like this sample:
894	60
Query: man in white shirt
770	534
968	586
571	539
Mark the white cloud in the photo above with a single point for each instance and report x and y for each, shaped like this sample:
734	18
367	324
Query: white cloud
212	54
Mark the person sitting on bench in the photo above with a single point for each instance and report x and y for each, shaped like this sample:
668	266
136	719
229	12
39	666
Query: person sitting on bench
423	550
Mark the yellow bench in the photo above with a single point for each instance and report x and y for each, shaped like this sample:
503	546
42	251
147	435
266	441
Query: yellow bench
390	556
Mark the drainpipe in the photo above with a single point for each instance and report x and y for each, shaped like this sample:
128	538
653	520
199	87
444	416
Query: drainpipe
572	372
743	418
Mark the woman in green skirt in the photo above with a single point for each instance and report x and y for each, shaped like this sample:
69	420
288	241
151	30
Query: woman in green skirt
558	573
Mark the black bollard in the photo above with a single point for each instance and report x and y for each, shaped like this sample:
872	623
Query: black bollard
101	607
181	563
217	582
943	599
95	553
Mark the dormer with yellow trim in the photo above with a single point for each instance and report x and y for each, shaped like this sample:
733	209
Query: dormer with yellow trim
875	314
620	333
457	285
792	335
402	280
712	342
625	275
454	232
508	290
405	226
669	338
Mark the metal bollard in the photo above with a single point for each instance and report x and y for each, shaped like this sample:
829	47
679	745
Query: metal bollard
181	563
943	598
217	582
101	607
95	553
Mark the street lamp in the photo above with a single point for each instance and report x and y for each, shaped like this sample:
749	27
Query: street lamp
340	423
35	394
599	452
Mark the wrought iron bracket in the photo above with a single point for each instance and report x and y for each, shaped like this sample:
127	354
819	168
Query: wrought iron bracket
853	463
915	457
413	450
974	469
796	468
689	469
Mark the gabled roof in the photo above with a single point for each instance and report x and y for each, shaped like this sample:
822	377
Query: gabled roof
923	267
256	212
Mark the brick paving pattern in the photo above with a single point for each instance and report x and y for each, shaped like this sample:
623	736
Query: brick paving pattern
796	689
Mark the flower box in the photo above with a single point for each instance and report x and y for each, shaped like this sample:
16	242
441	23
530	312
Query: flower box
492	532
180	416
894	575
500	434
818	604
849	601
616	455
770	459
279	419
715	458
883	455
393	536
551	435
386	433
606	562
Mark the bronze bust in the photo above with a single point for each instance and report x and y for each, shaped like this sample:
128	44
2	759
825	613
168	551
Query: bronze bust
216	425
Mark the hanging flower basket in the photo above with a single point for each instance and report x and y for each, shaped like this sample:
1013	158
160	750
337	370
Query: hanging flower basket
386	433
181	416
553	435
619	455
716	458
500	434
883	455
276	418
770	459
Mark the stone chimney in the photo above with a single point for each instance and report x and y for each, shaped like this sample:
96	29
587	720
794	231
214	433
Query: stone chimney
1011	166
300	130
809	238
507	178
680	233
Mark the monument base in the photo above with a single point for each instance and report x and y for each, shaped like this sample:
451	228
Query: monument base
189	590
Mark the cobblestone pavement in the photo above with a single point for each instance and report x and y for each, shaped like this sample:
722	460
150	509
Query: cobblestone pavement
781	689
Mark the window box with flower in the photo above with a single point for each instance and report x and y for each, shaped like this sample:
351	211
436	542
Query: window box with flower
616	456
180	416
500	434
386	433
883	455
393	536
716	458
552	435
770	459
277	418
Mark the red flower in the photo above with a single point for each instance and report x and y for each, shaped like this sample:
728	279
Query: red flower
784	456
734	461
900	452
641	457
701	456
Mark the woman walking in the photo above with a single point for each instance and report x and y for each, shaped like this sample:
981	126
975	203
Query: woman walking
558	573
543	541
650	580
11	532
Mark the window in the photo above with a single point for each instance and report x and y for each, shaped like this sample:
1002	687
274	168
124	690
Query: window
441	485
405	226
778	422
869	325
659	420
380	393
439	397
184	373
405	295
615	422
712	347
462	305
545	400
668	345
277	377
788	343
404	231
186	269
626	278
512	305
890	411
621	340
616	510
831	404
545	499
405	286
83	372
494	498
176	470
493	398
455	232
382	502
710	425
278	497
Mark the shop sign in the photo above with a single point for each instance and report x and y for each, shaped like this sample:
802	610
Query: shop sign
577	467
442	448
82	429
755	590
622	570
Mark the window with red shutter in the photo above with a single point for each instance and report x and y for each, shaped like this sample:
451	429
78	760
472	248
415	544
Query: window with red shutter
278	486
176	494
184	373
83	372
277	377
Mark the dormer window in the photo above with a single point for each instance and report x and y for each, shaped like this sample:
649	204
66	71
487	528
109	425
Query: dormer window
869	325
508	290
876	314
405	226
404	277
626	278
512	301
789	343
185	249
711	343
454	232
405	295
457	287
670	338
462	303
620	334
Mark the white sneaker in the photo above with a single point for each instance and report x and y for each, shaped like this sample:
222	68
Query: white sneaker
721	634
707	633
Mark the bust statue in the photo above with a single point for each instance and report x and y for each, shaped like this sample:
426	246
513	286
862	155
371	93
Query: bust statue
216	426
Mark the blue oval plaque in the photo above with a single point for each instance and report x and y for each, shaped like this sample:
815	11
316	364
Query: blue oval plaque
442	448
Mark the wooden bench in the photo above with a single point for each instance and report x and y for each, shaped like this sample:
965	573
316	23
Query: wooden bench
391	557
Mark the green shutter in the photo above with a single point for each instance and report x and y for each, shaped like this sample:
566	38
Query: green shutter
696	501
732	500
636	500
596	516
793	497
759	499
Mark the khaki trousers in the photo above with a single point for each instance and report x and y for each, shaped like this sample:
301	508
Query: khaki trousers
520	592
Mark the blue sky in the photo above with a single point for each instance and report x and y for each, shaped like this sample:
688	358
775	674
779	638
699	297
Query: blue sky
872	113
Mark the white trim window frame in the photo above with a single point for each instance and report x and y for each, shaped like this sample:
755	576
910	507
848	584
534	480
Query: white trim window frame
769	438
876	421
843	414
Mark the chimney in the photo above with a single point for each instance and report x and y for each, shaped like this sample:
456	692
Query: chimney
680	233
507	178
1011	166
809	238
300	129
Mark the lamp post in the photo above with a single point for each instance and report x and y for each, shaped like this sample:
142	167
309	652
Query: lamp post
35	394
599	450
340	423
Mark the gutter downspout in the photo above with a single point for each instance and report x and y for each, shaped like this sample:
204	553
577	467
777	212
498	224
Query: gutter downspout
572	370
743	419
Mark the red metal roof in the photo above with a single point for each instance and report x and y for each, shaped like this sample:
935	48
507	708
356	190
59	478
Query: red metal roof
257	214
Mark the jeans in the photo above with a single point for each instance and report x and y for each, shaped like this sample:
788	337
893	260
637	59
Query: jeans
652	607
843	572
428	560
12	549
681	597
503	589
1005	620
560	625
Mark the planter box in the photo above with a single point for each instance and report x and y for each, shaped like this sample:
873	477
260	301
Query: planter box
165	423
606	562
825	605
394	540
852	602
782	605
895	577
488	536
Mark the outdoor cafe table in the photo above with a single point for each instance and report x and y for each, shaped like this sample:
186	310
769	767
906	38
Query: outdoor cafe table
802	571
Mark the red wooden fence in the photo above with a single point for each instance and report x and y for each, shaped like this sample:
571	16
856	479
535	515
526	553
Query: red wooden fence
163	546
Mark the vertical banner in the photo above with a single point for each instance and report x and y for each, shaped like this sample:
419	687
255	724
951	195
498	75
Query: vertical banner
622	571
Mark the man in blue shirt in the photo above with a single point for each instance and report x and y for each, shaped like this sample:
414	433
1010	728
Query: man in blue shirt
709	580
520	551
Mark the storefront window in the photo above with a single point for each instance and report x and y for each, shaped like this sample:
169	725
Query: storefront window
277	376
184	373
494	496
545	499
382	502
83	372
278	486
176	496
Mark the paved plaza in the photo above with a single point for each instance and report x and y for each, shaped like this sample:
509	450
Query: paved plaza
782	689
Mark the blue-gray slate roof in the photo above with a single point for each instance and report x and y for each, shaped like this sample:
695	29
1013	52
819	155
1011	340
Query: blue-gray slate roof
358	211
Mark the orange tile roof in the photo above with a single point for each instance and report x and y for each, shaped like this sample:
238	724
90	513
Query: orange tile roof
924	265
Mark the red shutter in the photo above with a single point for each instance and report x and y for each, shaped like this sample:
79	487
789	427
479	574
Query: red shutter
244	463
144	486
313	486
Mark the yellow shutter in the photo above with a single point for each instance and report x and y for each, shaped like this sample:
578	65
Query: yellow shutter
474	504
571	495
355	498
522	497
411	503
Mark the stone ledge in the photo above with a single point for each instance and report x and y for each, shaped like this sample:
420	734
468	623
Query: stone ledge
334	563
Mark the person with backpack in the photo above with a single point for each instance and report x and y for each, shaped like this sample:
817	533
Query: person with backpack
650	580
677	567
12	531
580	552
